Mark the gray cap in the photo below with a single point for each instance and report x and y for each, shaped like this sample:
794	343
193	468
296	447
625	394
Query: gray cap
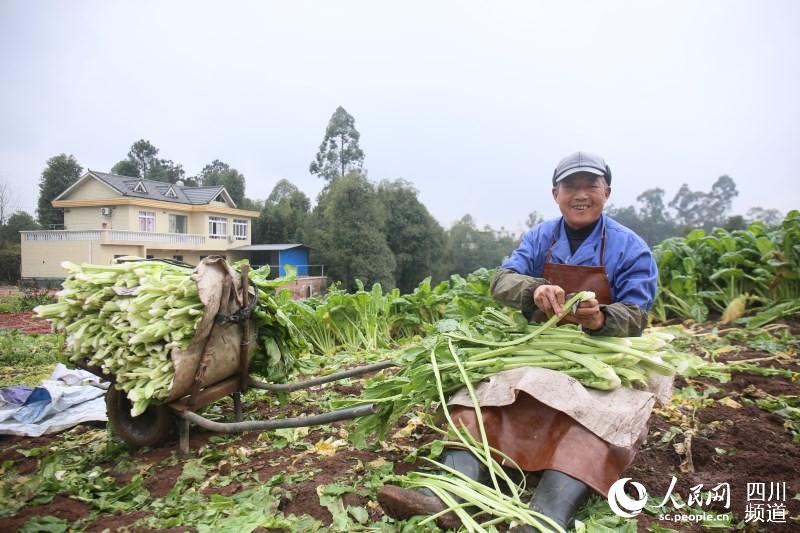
581	162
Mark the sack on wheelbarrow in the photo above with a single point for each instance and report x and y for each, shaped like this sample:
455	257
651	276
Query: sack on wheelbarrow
217	334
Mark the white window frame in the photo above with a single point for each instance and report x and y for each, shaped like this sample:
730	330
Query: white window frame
240	229
147	221
173	226
217	227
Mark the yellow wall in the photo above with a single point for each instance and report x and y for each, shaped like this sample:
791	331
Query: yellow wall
42	259
80	218
92	189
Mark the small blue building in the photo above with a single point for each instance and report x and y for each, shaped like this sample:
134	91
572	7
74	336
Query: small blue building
278	256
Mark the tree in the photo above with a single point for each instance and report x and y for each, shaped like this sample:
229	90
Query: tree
8	202
167	171
126	167
339	152
653	209
284	216
19	221
770	217
696	209
220	173
62	171
534	218
413	235
349	237
471	248
143	162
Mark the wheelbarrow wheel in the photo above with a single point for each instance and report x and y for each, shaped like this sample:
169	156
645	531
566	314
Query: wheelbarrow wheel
153	427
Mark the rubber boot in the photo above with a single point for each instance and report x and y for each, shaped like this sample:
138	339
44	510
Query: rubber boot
557	496
401	503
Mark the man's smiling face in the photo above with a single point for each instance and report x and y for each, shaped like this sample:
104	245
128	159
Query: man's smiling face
581	198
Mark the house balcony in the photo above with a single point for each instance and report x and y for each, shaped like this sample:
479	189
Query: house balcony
187	241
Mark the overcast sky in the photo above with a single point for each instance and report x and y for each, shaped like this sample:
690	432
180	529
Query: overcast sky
473	102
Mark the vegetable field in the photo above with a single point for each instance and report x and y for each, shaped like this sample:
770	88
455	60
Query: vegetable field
734	417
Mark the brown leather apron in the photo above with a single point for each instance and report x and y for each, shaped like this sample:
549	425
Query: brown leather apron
539	437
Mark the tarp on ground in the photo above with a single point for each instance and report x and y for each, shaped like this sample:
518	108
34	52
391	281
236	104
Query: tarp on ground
68	398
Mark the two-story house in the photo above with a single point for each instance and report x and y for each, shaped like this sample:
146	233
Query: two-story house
108	216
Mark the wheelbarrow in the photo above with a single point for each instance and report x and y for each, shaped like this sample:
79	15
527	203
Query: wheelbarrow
208	384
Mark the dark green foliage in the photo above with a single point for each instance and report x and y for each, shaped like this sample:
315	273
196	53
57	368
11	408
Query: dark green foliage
415	238
126	167
339	152
10	258
143	162
62	171
220	173
758	268
284	217
19	221
472	248
348	233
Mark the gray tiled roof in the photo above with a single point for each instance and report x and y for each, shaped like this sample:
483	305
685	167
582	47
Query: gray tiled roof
156	190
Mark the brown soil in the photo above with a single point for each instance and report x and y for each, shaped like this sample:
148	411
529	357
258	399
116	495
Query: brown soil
65	508
733	445
747	445
24	321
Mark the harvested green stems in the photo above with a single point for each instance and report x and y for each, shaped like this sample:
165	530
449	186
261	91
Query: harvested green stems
126	318
495	342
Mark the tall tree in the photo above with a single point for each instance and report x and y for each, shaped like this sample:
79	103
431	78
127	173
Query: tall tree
534	218
143	162
349	238
697	209
653	208
220	173
284	216
62	171
413	235
339	152
770	217
8	202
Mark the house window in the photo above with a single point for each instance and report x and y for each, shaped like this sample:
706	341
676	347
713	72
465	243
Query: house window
171	192
147	221
240	229
178	258
178	224
217	228
140	188
148	257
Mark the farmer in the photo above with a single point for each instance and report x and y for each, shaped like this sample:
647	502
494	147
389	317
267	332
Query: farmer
581	250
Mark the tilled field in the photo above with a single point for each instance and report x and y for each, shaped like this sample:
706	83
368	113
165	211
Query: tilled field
312	479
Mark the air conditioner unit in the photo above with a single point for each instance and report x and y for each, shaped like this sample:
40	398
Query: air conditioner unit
105	211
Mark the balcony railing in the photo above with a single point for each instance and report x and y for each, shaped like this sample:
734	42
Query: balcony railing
113	236
61	235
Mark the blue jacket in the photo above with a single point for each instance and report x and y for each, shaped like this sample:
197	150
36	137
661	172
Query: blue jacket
630	265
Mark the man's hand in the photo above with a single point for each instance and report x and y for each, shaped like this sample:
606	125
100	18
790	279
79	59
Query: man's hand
550	299
589	315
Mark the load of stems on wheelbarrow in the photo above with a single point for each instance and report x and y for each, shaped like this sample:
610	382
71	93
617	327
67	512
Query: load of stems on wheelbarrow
216	364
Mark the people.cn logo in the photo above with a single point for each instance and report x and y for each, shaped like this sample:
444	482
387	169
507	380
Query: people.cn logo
622	504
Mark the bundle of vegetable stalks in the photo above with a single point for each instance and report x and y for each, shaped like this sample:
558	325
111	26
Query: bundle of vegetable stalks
494	342
479	506
126	318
